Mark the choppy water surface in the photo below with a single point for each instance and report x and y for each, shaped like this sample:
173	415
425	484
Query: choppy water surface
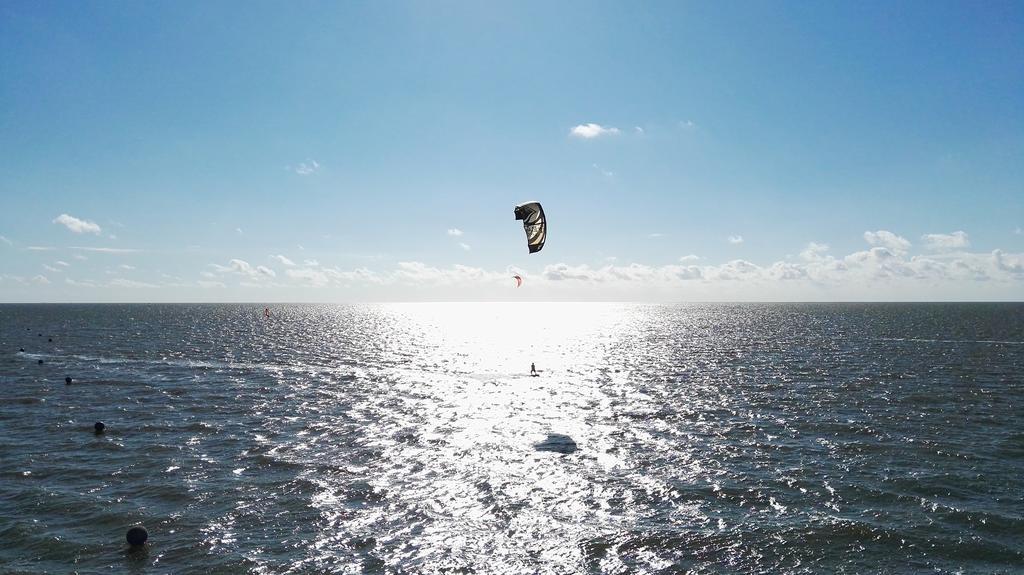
410	438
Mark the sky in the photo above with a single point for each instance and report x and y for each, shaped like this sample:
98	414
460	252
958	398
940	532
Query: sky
374	151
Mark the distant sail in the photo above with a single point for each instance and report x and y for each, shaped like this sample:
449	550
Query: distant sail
535	224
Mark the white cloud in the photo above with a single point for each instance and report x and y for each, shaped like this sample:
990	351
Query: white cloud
1013	263
940	242
456	232
243	268
464	246
62	263
735	240
6	241
311	263
886	239
80	257
239	231
40	280
604	172
40	248
655	235
50	268
591	130
126	267
306	168
284	261
689	258
76	225
638	129
1018	231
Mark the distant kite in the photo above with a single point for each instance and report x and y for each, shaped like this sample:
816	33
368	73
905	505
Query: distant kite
535	224
519	280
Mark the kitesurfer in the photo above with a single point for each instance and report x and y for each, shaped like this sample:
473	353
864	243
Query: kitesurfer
266	312
533	369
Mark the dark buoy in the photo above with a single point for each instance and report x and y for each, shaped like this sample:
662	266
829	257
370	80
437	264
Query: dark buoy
99	427
49	339
137	536
67	380
22	350
40	362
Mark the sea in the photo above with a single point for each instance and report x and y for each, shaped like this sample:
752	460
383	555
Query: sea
412	438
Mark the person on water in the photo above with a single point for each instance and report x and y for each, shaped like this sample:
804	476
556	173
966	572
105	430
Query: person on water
533	369
266	312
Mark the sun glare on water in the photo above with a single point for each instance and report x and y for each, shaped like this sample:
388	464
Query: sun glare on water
462	426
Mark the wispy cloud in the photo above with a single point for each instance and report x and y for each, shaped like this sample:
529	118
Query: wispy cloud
40	280
126	267
309	276
592	130
604	172
76	225
735	240
283	260
107	250
3	239
127	283
687	124
455	232
655	235
40	248
689	258
638	129
813	252
941	242
239	231
306	168
464	246
50	268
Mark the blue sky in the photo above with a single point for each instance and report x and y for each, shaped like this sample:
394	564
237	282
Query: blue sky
374	151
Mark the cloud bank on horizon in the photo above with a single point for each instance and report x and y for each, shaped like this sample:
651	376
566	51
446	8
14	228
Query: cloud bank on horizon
886	266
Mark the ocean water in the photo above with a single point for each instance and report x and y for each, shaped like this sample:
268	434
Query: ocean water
410	438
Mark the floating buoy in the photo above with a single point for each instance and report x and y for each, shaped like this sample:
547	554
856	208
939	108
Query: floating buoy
137	536
22	350
49	339
99	427
40	362
67	380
